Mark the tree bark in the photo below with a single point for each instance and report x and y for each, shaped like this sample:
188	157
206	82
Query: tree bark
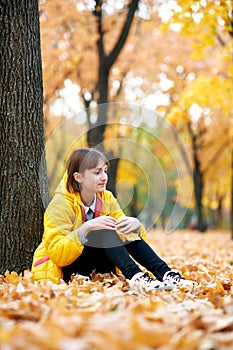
24	190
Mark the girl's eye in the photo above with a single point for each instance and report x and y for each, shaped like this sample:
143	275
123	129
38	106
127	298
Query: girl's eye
97	172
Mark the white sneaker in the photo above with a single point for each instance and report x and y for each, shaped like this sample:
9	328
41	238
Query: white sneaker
142	281
172	279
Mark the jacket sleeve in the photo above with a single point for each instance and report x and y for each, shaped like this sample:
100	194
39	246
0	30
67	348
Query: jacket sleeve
60	231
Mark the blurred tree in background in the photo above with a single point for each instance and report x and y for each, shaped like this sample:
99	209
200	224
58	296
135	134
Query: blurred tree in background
204	109
176	62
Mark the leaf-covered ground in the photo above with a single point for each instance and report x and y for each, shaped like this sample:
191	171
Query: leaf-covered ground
104	314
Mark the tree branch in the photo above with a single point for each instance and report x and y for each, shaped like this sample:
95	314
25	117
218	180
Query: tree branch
111	58
100	42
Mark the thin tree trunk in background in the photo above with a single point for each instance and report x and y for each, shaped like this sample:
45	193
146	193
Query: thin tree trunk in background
198	184
24	191
198	190
133	203
232	194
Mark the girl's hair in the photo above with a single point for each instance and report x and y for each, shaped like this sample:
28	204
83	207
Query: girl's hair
80	160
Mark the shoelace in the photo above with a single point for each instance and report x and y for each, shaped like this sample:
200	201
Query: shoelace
147	278
175	276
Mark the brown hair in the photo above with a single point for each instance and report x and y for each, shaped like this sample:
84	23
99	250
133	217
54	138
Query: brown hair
80	160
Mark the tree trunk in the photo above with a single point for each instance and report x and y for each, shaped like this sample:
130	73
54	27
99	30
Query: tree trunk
133	203
198	190
219	212
112	172
198	184
95	134
24	191
232	194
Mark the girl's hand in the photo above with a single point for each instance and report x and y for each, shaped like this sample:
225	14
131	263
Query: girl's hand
99	223
128	224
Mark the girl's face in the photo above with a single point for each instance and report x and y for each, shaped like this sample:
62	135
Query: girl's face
93	180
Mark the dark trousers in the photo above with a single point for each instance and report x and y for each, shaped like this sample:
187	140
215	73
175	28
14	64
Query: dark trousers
105	251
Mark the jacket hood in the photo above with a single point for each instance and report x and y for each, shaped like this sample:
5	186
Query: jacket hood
70	196
73	197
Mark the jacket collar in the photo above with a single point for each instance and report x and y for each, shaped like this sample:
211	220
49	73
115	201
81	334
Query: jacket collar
92	206
98	206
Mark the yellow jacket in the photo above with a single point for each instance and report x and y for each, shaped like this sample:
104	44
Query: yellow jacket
60	244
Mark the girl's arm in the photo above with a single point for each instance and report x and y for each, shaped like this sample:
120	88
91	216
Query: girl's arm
60	232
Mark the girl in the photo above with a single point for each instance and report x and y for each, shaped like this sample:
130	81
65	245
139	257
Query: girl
85	229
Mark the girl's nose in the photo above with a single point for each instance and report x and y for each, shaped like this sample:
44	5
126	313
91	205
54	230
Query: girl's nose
104	175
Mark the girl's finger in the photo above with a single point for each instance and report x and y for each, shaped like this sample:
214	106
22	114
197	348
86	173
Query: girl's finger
121	220
124	229
121	225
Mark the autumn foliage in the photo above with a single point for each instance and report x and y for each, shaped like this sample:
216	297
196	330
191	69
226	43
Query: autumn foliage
103	313
195	77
